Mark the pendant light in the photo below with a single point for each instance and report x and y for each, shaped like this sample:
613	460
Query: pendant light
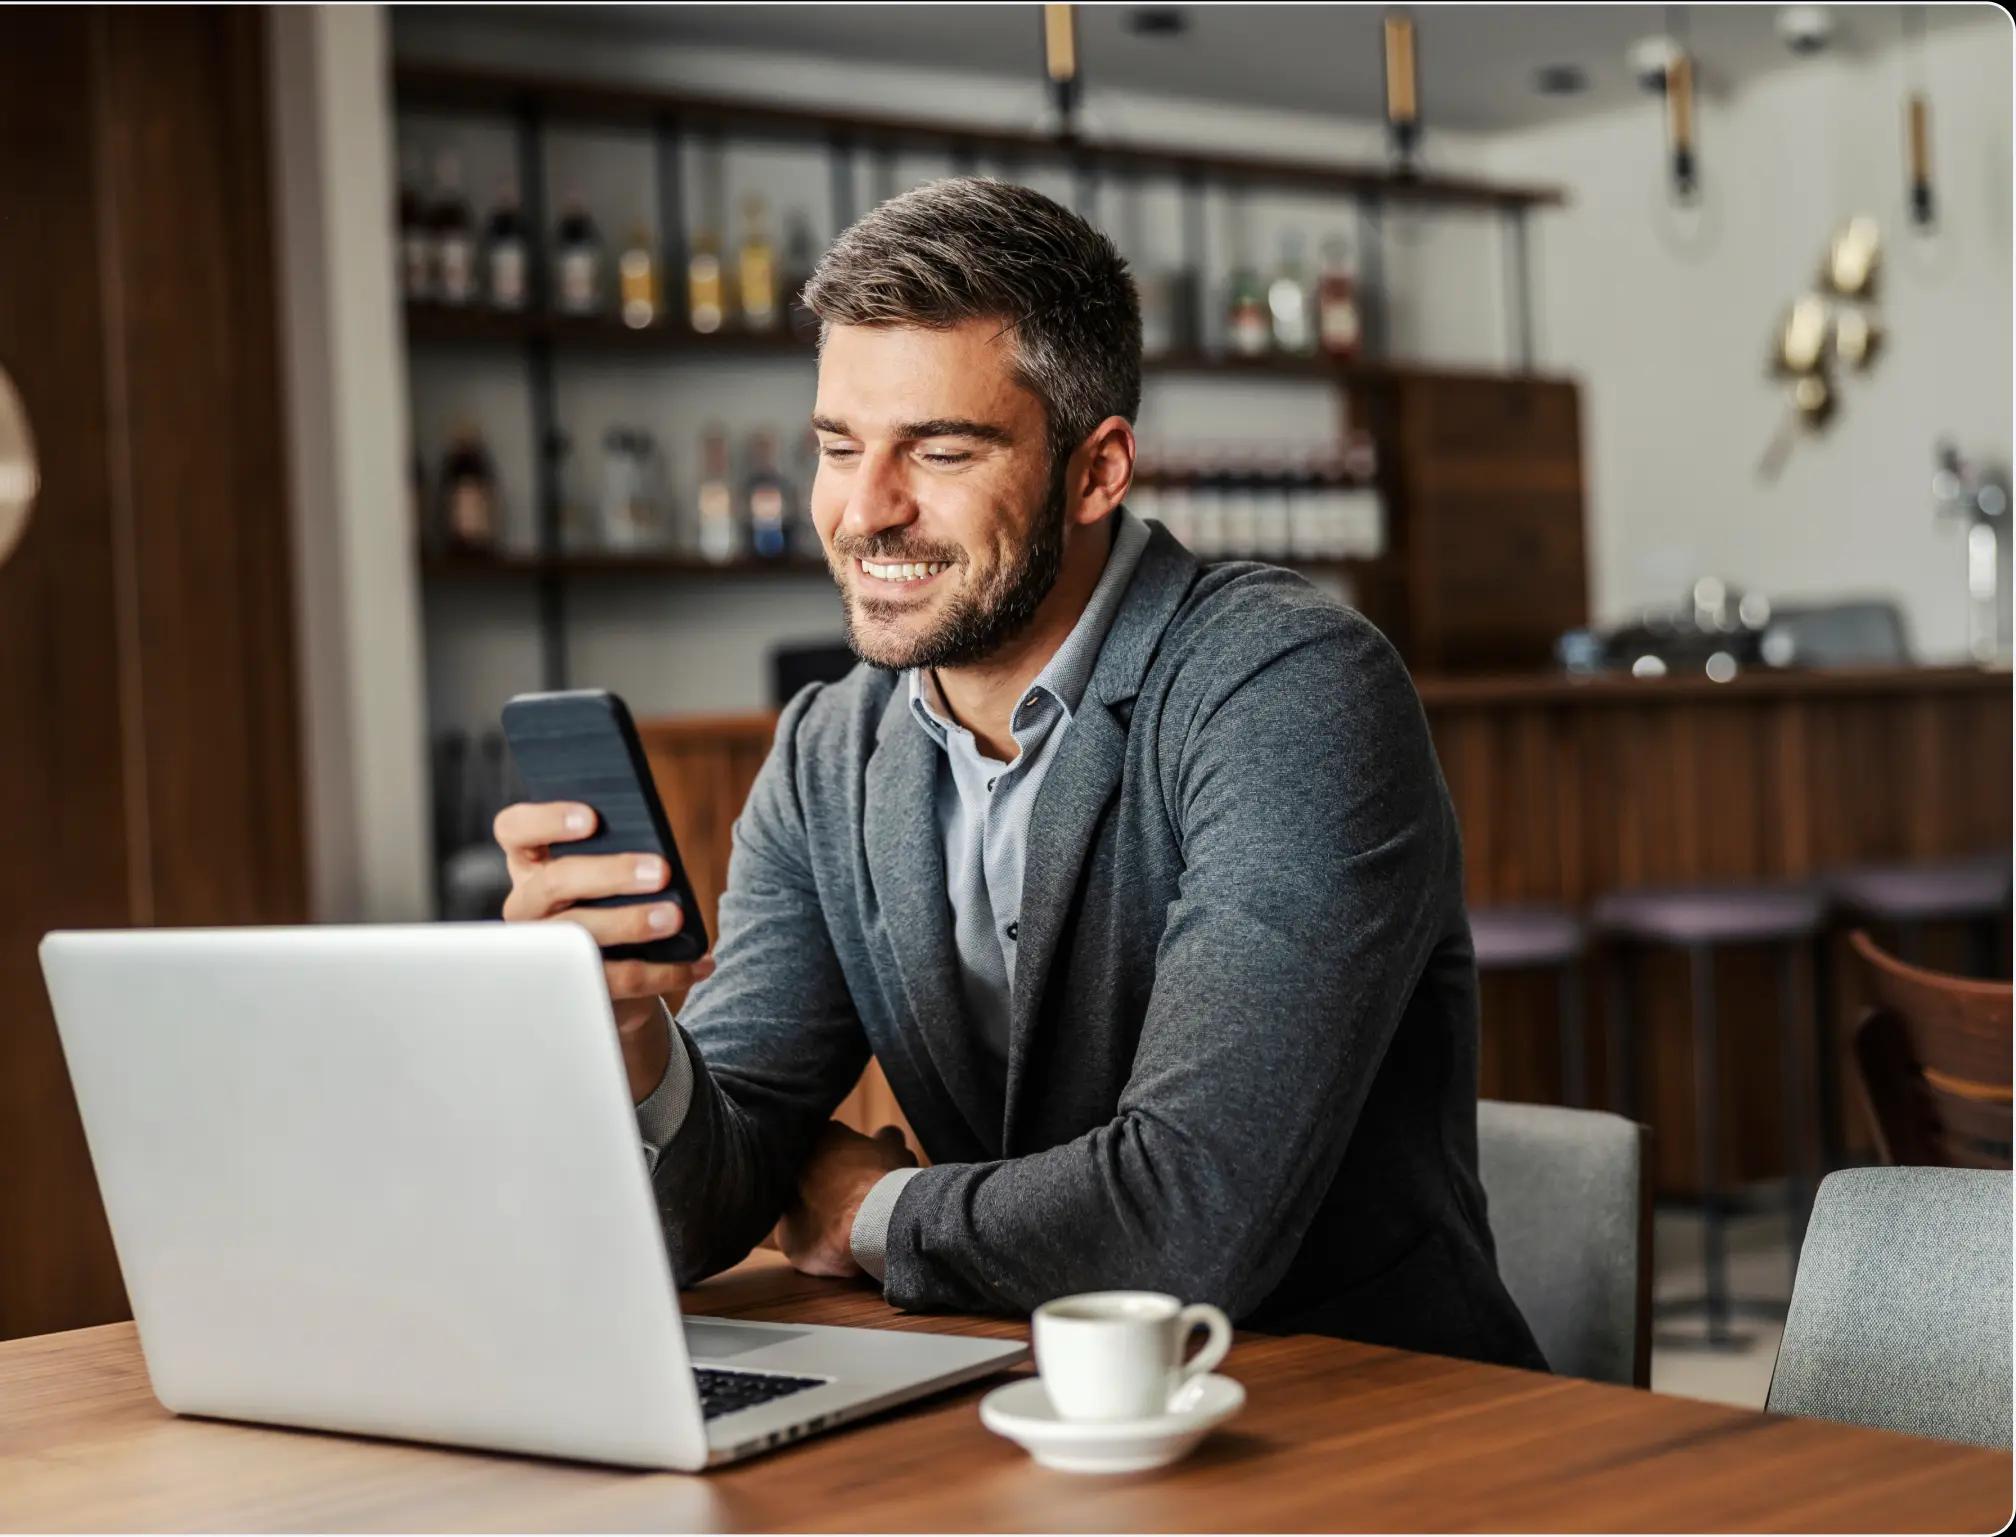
1918	120
1680	113
1403	99
1060	64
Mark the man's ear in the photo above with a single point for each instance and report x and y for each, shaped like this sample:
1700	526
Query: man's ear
1102	470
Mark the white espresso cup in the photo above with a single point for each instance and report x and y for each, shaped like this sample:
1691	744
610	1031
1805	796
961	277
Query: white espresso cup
1119	1355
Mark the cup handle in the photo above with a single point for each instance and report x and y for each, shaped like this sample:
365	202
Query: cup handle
1187	1322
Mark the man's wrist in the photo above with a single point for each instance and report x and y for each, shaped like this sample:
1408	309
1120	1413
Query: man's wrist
647	1046
868	1239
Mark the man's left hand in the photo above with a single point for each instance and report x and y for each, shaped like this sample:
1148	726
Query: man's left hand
817	1229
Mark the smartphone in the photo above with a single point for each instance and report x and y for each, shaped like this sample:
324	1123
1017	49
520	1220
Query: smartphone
582	746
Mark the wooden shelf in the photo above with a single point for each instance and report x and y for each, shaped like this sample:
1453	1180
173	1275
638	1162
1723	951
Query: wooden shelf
459	88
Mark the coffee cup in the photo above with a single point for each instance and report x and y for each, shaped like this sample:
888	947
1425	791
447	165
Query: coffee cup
1118	1355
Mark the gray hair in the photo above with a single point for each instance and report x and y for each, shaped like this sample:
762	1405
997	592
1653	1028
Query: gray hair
972	248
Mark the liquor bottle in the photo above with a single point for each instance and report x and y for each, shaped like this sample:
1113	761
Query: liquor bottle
1288	301
1178	516
454	234
637	279
768	498
416	240
1242	504
719	538
578	529
469	501
1208	486
577	261
801	256
1270	505
1246	325
1339	326
1305	490
505	253
706	298
756	269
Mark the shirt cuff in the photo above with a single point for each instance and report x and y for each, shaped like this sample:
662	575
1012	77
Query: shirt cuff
660	1115
870	1237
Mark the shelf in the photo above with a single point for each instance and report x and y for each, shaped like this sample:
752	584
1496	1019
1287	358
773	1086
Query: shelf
445	87
610	563
473	325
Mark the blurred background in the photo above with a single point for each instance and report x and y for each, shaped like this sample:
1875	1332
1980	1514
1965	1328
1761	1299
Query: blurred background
1644	371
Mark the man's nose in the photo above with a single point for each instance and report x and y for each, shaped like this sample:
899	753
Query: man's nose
879	497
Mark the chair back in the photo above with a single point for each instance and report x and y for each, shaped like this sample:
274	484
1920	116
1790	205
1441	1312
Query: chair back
1933	1055
1571	1212
1900	1313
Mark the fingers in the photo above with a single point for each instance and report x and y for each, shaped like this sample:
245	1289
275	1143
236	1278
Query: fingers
547	886
653	979
523	831
634	925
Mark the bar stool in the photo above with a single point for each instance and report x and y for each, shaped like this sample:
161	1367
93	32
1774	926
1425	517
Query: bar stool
1973	889
1698	920
1540	936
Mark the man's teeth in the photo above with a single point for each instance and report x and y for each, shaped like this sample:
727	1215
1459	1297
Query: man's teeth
911	572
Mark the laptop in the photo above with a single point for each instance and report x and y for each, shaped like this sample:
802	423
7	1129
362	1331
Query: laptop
387	1180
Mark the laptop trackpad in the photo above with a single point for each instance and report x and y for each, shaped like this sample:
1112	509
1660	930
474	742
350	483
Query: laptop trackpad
714	1341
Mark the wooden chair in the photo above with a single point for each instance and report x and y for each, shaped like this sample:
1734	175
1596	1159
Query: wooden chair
1933	1057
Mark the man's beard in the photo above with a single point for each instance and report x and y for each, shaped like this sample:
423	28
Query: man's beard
974	625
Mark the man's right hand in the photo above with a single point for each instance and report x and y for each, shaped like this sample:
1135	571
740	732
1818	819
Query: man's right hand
546	888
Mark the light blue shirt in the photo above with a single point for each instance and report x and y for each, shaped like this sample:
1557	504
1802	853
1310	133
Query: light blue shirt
984	807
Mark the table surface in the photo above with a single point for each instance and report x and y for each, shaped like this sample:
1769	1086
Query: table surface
1335	1436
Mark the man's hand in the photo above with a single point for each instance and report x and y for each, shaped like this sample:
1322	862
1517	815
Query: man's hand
815	1230
546	887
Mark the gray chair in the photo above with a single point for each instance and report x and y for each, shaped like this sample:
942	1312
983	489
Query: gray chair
1900	1315
1571	1209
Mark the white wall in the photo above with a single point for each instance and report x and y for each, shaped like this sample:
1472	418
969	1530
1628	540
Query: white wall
356	596
1670	349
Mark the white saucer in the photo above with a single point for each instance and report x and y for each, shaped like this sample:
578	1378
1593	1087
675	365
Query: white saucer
1022	1412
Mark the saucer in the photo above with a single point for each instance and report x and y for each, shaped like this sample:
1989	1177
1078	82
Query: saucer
1022	1412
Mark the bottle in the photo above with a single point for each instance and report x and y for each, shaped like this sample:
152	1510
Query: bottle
1208	484
469	509
1270	510
505	253
719	538
706	299
756	269
577	521
577	261
1246	326
1288	301
768	498
1339	326
1177	514
637	279
1242	504
454	234
416	240
801	256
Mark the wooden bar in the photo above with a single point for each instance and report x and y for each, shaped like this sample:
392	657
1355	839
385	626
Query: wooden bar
1566	788
1335	1436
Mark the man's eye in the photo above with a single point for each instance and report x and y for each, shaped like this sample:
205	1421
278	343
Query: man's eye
946	458
833	451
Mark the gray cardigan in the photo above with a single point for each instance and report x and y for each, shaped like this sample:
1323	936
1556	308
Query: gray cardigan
1242	1062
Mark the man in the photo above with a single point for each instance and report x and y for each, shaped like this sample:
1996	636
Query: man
1138	877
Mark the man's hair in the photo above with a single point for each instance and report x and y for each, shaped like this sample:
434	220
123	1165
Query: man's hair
972	248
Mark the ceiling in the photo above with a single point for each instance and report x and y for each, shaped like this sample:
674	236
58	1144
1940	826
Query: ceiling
1478	62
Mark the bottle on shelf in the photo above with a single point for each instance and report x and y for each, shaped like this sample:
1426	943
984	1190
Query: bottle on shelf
470	511
768	498
577	260
1288	301
1340	327
1271	510
1208	490
720	539
756	268
1178	514
505	253
1242	504
1247	331
578	527
1305	507
629	490
706	290
637	280
416	239
1144	498
1157	290
454	234
801	255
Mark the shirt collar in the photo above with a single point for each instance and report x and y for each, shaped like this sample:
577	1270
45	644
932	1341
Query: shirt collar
1068	673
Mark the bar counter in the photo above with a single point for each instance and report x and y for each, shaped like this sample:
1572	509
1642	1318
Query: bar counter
1567	787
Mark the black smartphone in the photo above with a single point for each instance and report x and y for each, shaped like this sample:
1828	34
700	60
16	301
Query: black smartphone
582	746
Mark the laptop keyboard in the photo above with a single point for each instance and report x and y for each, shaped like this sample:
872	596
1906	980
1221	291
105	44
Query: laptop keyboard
724	1392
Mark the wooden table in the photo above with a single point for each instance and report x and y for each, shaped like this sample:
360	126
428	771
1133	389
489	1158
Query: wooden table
1335	1436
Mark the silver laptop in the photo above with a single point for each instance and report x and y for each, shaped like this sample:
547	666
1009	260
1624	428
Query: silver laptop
388	1180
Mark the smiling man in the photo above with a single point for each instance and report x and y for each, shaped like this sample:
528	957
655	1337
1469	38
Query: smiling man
1138	876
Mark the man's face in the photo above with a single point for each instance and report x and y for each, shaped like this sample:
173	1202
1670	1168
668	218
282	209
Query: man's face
936	500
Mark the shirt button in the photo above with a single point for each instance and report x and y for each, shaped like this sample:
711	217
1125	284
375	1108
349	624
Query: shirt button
990	784
1014	929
